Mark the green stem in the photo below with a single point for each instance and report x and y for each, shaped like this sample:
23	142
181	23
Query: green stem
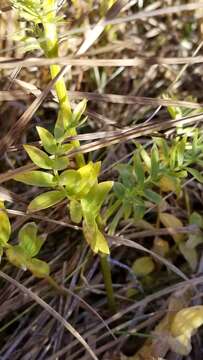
65	118
51	50
106	272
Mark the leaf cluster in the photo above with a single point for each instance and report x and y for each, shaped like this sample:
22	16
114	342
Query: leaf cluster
80	186
159	170
24	254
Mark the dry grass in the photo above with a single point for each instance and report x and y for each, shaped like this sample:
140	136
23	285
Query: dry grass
149	48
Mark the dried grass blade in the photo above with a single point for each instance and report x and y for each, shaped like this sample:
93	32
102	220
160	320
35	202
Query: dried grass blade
51	311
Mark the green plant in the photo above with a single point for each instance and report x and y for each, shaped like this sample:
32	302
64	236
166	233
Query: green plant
79	187
149	174
24	254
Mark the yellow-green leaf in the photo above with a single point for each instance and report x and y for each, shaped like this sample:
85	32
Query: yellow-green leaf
39	157
75	211
46	200
48	141
1	252
64	148
38	268
17	257
161	247
95	238
89	174
143	266
184	325
5	228
171	221
36	178
168	183
29	241
79	111
95	198
71	179
60	163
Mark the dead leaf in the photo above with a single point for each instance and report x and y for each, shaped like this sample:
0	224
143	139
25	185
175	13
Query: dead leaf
156	348
184	325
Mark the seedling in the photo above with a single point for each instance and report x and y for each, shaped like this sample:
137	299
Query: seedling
79	187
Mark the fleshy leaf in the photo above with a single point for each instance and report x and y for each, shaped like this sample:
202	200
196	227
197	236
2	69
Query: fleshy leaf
17	257
171	221
75	211
89	174
38	268
5	228
39	157
94	199
143	266
95	238
36	178
29	241
46	200
184	325
48	141
64	148
60	163
71	179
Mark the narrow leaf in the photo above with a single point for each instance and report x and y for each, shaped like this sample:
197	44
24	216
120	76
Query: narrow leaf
46	200
119	190
154	162
152	196
36	178
79	111
5	228
196	174
48	141
39	157
139	171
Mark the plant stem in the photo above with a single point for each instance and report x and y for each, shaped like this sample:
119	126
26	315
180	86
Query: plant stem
65	115
51	51
106	272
